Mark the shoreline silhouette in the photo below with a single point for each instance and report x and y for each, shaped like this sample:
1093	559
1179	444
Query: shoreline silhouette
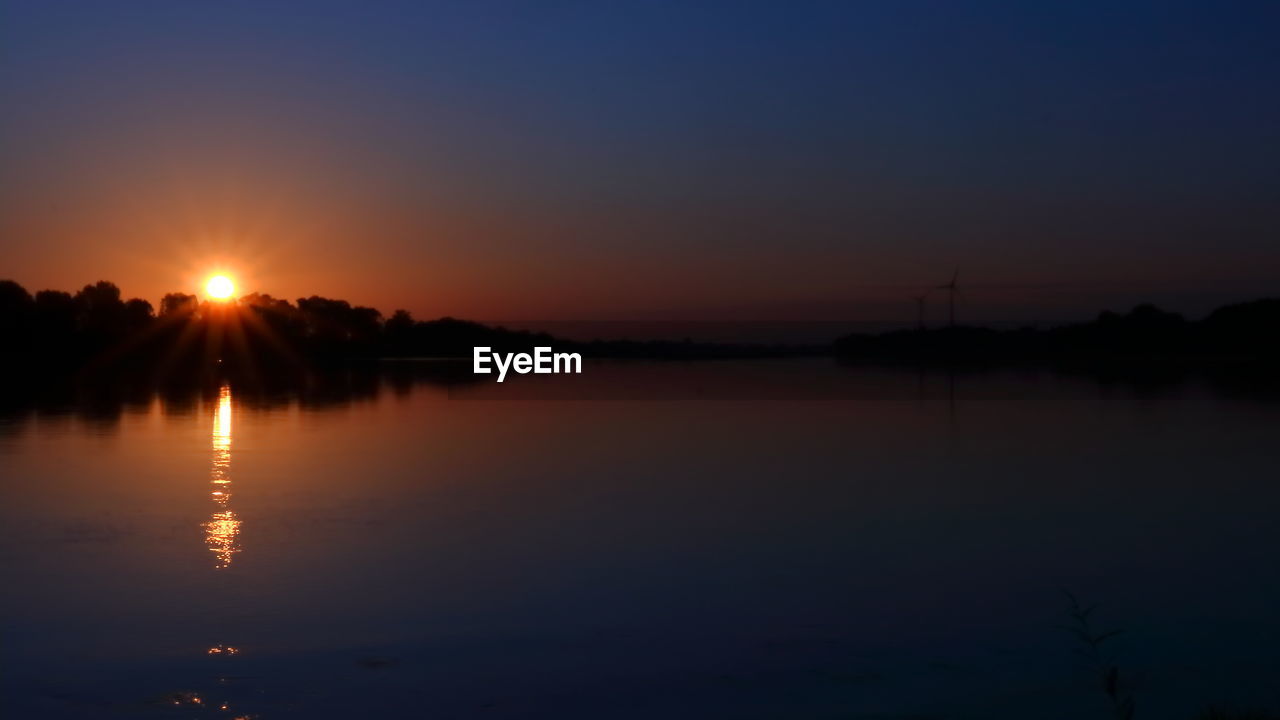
96	331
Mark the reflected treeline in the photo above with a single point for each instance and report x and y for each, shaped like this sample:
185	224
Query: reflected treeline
104	404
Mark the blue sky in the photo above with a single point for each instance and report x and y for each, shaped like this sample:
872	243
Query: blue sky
571	160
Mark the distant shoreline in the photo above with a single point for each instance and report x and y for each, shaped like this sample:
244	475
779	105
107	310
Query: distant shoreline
96	331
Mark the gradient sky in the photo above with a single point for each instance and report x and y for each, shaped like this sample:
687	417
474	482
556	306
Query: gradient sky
649	160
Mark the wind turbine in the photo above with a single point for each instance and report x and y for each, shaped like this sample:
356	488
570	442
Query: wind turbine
953	290
920	309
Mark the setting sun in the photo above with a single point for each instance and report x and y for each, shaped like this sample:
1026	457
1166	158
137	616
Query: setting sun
219	287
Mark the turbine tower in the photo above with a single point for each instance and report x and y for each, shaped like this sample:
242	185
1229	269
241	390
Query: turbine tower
920	309
952	290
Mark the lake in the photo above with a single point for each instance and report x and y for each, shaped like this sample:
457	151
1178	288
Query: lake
744	539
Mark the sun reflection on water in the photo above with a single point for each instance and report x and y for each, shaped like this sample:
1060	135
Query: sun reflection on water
223	528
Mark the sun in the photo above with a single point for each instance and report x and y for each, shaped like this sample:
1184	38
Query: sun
220	287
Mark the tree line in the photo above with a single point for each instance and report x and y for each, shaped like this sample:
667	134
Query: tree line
97	328
1245	331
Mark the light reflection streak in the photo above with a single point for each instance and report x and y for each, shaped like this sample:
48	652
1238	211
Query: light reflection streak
221	535
223	528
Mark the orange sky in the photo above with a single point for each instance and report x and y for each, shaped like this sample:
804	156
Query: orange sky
620	166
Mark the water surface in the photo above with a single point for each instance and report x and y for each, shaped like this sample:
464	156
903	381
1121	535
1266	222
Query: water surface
747	539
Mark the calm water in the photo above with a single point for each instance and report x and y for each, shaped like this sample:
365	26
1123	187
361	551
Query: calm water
765	539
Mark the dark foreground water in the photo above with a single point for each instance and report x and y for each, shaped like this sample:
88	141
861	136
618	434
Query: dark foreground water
764	539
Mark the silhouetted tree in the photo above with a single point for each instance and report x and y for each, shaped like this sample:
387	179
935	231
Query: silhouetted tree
279	331
398	331
178	304
331	324
137	313
1244	326
14	297
16	310
55	313
99	310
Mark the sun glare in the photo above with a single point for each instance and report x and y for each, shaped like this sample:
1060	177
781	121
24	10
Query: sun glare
220	287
